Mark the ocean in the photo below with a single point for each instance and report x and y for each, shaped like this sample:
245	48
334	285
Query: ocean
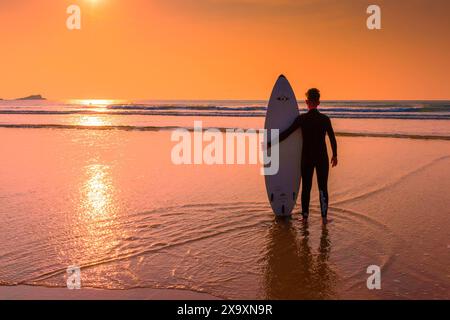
428	119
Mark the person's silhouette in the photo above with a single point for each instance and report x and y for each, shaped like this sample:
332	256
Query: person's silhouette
315	126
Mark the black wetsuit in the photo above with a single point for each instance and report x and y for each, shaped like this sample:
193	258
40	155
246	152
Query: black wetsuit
315	126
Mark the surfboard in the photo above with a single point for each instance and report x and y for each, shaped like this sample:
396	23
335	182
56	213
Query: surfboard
282	188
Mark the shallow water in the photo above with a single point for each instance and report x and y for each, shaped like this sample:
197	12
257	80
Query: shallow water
113	203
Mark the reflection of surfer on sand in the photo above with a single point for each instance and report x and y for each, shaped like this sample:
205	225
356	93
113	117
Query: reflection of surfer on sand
293	271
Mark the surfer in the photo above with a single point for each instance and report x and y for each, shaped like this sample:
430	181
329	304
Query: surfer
315	126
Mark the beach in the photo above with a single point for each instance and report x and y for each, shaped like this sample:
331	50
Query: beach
43	293
140	227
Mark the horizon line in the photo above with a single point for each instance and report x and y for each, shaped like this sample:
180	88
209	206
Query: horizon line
193	99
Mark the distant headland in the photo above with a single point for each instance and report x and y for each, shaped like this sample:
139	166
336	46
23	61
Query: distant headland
32	97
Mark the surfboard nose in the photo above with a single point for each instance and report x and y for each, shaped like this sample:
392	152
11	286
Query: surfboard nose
282	76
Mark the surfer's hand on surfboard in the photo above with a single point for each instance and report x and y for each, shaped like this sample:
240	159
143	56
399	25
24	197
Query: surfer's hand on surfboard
334	161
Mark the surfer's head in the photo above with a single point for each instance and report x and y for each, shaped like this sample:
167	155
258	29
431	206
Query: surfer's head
312	98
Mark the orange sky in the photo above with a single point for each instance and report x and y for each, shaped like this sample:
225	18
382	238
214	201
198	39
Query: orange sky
224	49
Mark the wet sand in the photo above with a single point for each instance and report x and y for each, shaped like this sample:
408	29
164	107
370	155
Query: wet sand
113	203
41	293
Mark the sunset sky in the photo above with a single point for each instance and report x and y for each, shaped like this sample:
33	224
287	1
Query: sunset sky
224	49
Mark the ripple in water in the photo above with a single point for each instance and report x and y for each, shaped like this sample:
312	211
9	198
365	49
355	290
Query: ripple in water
240	250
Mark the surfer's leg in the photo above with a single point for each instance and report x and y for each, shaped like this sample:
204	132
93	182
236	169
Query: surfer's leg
307	176
322	180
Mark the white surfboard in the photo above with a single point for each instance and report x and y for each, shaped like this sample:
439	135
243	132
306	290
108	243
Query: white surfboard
282	188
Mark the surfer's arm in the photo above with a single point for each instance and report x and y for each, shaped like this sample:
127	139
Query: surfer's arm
332	138
294	126
286	133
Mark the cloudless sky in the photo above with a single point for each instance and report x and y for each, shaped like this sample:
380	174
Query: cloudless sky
224	49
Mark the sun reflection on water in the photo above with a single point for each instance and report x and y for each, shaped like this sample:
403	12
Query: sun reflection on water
97	224
94	121
96	112
94	102
98	191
